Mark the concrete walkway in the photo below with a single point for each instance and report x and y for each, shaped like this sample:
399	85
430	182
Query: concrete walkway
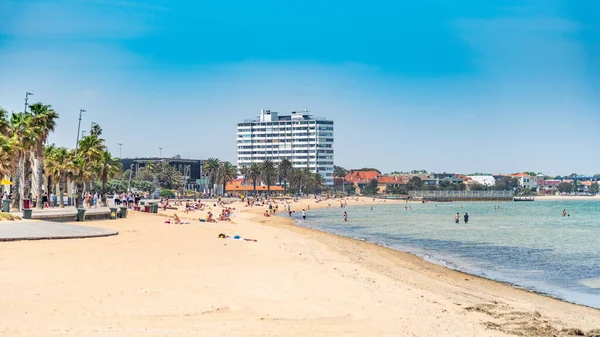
46	230
65	214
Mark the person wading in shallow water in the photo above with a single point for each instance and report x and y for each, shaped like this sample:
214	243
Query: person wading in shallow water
345	216
466	218
457	217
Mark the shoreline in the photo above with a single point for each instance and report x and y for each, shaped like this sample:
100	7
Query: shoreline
296	223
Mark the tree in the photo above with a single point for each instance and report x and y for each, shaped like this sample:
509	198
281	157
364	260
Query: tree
22	137
316	182
299	177
339	171
85	161
166	175
269	172
108	167
143	174
227	172
565	187
594	188
371	188
415	183
44	121
211	167
57	163
6	156
96	130
254	173
400	189
506	184
285	169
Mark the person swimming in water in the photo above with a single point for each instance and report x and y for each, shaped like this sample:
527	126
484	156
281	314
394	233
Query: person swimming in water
564	212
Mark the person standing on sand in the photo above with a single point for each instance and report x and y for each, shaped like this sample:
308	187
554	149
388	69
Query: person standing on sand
345	216
303	214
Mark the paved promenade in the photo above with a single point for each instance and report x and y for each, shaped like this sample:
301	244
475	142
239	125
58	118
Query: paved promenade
57	212
45	230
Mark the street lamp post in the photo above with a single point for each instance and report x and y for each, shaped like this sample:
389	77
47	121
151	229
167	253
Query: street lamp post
129	182
27	94
160	152
81	111
120	146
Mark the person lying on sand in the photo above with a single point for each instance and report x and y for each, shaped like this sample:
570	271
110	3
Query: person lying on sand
176	221
235	237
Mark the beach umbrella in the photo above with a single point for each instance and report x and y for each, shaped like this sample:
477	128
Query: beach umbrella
5	182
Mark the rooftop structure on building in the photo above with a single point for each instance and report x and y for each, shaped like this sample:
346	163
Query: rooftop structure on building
305	140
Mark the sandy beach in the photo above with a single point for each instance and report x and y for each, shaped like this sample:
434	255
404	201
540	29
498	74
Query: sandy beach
157	279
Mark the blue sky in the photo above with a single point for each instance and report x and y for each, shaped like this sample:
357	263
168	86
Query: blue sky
445	85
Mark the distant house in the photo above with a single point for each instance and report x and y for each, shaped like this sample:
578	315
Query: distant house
548	186
584	186
360	178
525	180
386	183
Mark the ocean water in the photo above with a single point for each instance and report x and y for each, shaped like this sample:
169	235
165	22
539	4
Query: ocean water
527	244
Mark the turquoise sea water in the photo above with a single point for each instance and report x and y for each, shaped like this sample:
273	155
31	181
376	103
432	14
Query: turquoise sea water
528	244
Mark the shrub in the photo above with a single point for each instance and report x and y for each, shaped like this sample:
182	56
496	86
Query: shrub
167	193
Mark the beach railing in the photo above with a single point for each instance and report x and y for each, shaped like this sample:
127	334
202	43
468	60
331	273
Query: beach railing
462	195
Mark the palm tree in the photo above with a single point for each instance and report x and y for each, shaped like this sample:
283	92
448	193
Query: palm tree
108	167
96	130
6	146
285	169
227	172
211	167
57	164
23	138
44	120
47	162
167	175
6	156
254	173
316	182
269	172
300	177
90	152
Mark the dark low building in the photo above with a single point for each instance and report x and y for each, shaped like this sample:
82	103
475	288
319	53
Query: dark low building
190	169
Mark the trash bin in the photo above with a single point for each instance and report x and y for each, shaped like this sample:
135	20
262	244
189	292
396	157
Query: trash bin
154	208
113	213
6	205
81	214
27	213
147	208
26	203
123	212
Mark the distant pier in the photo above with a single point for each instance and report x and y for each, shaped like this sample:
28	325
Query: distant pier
524	198
463	195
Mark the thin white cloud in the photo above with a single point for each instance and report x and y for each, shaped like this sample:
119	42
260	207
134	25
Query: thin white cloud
73	19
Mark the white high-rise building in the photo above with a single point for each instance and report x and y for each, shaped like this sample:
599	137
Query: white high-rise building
299	137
